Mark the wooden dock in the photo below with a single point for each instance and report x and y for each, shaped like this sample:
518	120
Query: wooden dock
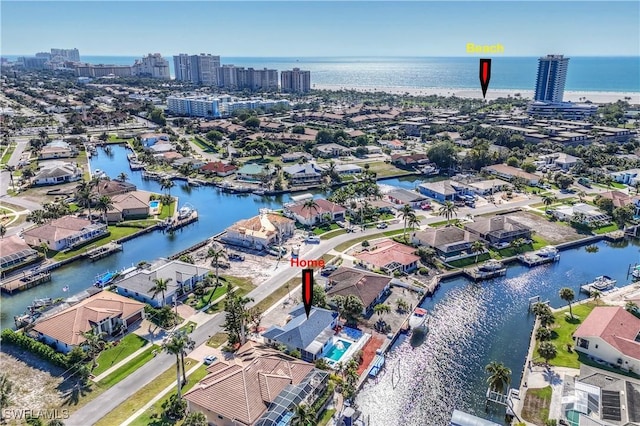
104	251
477	275
179	223
26	282
532	259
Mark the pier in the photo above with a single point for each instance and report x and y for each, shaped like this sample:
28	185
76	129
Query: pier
179	223
26	282
103	251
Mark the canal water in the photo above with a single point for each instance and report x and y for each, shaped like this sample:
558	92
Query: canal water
472	324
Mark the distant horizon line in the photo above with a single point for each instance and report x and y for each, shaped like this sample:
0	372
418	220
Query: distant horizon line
344	56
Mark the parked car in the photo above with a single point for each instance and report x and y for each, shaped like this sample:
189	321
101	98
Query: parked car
382	225
426	206
313	239
210	359
328	270
236	256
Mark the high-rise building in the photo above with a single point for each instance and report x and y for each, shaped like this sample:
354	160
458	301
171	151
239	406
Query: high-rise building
228	76
61	55
198	69
216	106
152	65
552	74
100	70
33	62
295	81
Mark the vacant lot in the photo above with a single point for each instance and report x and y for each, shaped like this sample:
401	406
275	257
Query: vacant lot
553	232
536	405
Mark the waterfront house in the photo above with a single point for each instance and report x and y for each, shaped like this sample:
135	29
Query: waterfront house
409	160
627	177
57	149
389	256
14	252
450	242
65	233
499	230
104	312
348	169
332	150
310	216
161	148
303	174
130	205
252	172
168	157
57	172
611	334
193	163
506	172
259	386
137	284
309	336
260	231
369	287
218	168
444	190
587	214
150	139
619	199
111	188
488	186
401	197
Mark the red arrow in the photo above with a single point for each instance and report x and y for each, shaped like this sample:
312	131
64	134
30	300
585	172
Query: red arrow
307	289
485	75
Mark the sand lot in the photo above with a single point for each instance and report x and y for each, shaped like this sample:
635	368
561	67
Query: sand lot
553	232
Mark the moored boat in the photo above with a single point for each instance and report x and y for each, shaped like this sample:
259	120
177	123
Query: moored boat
105	279
491	265
603	282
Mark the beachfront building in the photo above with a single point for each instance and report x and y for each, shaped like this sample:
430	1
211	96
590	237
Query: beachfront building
450	243
324	210
57	172
57	149
610	334
369	287
153	65
259	386
14	253
197	69
65	233
551	78
498	231
581	212
260	232
389	257
104	312
182	277
309	336
216	106
101	70
295	81
130	205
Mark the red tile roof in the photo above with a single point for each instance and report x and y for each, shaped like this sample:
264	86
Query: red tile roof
615	326
323	206
387	252
218	167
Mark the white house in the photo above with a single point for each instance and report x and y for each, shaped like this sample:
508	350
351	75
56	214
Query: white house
64	233
308	215
559	159
57	172
589	213
611	334
260	231
57	149
628	177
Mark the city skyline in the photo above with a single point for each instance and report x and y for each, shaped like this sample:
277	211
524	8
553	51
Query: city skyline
317	29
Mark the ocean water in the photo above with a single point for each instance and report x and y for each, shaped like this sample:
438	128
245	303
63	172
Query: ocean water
602	74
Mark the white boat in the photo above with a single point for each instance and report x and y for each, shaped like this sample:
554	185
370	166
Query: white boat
548	252
491	265
184	212
99	174
418	318
603	282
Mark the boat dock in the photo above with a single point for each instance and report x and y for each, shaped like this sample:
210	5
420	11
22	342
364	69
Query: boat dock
26	282
548	254
179	223
104	251
491	269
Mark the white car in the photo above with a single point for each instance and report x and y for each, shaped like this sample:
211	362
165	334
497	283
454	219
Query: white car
382	225
312	239
210	359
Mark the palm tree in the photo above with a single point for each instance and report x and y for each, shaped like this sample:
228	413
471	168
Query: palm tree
406	212
517	244
95	343
188	344
596	294
311	204
195	418
448	210
547	350
217	254
303	416
382	308
630	306
6	388
413	222
45	248
3	230
175	345
104	204
499	376
122	177
159	287
567	295
477	247
167	184
581	195
547	200
10	169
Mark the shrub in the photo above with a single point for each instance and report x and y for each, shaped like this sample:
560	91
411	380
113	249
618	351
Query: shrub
32	345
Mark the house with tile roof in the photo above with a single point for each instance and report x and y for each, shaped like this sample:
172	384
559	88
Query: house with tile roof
14	252
369	287
182	276
64	233
130	205
611	334
111	187
57	149
309	336
57	172
389	257
260	231
218	168
450	242
104	312
310	216
259	386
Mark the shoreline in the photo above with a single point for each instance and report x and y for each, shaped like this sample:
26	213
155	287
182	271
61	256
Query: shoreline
470	93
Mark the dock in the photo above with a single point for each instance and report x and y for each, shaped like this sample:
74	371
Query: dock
532	259
179	223
104	251
491	269
26	282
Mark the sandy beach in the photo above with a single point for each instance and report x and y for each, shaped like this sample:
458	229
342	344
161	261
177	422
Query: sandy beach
595	97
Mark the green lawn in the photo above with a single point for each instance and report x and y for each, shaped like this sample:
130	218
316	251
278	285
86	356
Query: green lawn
108	358
536	405
331	234
605	229
241	284
122	372
563	329
383	169
189	327
324	229
202	300
7	154
137	400
153	415
326	416
116	232
461	263
347	244
279	293
167	211
217	340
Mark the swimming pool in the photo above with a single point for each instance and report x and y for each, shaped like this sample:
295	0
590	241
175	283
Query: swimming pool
154	204
573	416
337	350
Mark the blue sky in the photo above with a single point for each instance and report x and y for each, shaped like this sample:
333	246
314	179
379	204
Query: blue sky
306	28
